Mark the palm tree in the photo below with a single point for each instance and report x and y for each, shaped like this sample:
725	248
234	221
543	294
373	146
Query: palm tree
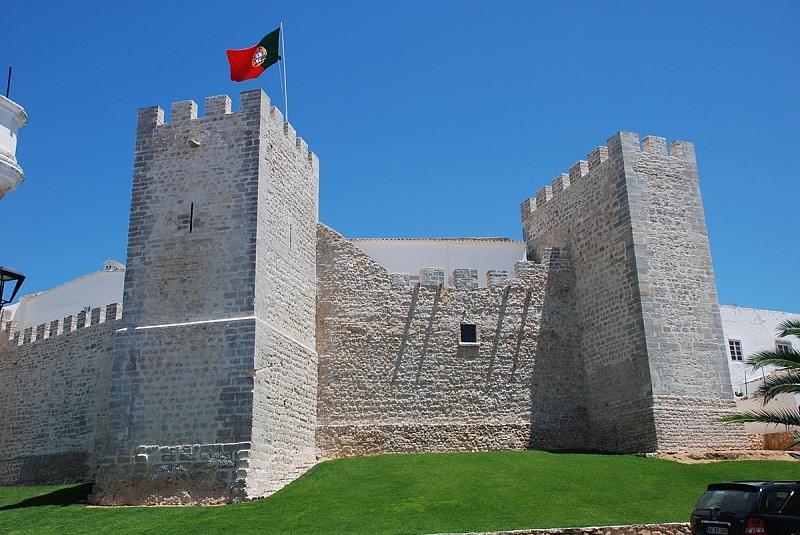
785	380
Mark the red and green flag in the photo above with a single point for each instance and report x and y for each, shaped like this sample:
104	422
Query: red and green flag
251	62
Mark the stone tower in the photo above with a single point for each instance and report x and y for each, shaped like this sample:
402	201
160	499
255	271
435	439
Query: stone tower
12	118
647	310
213	387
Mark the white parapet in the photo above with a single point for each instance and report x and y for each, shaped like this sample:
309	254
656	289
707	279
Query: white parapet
12	118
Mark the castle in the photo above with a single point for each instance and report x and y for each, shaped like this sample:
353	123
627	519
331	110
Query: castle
254	340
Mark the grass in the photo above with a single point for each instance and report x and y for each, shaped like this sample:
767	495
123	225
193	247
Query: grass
426	493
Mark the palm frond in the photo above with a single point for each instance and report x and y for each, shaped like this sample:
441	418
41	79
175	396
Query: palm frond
783	359
789	327
776	417
785	382
795	440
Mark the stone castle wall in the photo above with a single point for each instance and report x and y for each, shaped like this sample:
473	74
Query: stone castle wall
254	340
54	382
588	210
650	327
394	376
285	393
175	389
680	306
182	372
212	397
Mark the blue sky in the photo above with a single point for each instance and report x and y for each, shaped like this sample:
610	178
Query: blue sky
431	119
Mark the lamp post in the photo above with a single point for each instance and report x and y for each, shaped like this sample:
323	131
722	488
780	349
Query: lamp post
9	275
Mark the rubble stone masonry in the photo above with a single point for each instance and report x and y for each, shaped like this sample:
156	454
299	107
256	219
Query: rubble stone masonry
394	375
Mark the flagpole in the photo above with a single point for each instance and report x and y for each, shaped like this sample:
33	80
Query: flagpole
8	86
285	81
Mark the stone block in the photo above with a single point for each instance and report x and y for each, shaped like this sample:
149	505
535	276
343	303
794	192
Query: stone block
431	276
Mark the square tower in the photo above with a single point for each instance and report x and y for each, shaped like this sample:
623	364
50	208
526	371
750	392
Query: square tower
213	389
650	331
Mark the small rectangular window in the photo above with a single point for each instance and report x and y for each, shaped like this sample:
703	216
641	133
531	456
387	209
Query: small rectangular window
735	347
469	333
782	346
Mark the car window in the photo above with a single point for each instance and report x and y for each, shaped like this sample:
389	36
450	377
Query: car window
792	507
738	501
774	500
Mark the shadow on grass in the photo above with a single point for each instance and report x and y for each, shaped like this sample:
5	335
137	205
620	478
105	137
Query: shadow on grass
585	452
71	496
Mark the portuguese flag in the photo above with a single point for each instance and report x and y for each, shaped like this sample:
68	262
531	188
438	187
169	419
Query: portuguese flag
251	62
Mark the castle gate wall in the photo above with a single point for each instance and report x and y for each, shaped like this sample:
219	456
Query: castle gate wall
54	382
394	377
647	331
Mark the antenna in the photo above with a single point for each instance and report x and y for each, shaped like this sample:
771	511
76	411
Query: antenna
8	85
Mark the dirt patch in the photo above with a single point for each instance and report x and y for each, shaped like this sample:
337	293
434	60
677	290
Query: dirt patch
733	455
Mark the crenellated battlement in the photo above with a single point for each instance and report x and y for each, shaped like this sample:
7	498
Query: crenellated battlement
218	107
632	216
621	142
462	278
71	323
221	263
553	259
256	340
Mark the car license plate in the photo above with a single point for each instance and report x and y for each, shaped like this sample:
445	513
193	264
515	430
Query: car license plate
716	530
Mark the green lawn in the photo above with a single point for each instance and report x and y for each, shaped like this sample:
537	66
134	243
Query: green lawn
427	493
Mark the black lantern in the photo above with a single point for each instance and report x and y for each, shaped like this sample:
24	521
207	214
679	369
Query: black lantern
9	275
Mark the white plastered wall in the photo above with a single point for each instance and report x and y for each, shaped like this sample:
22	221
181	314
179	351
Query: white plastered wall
410	255
756	330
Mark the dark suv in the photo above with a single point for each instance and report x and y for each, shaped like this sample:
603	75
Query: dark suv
748	508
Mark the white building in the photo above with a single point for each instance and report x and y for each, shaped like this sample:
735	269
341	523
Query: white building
407	255
12	118
747	331
94	290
